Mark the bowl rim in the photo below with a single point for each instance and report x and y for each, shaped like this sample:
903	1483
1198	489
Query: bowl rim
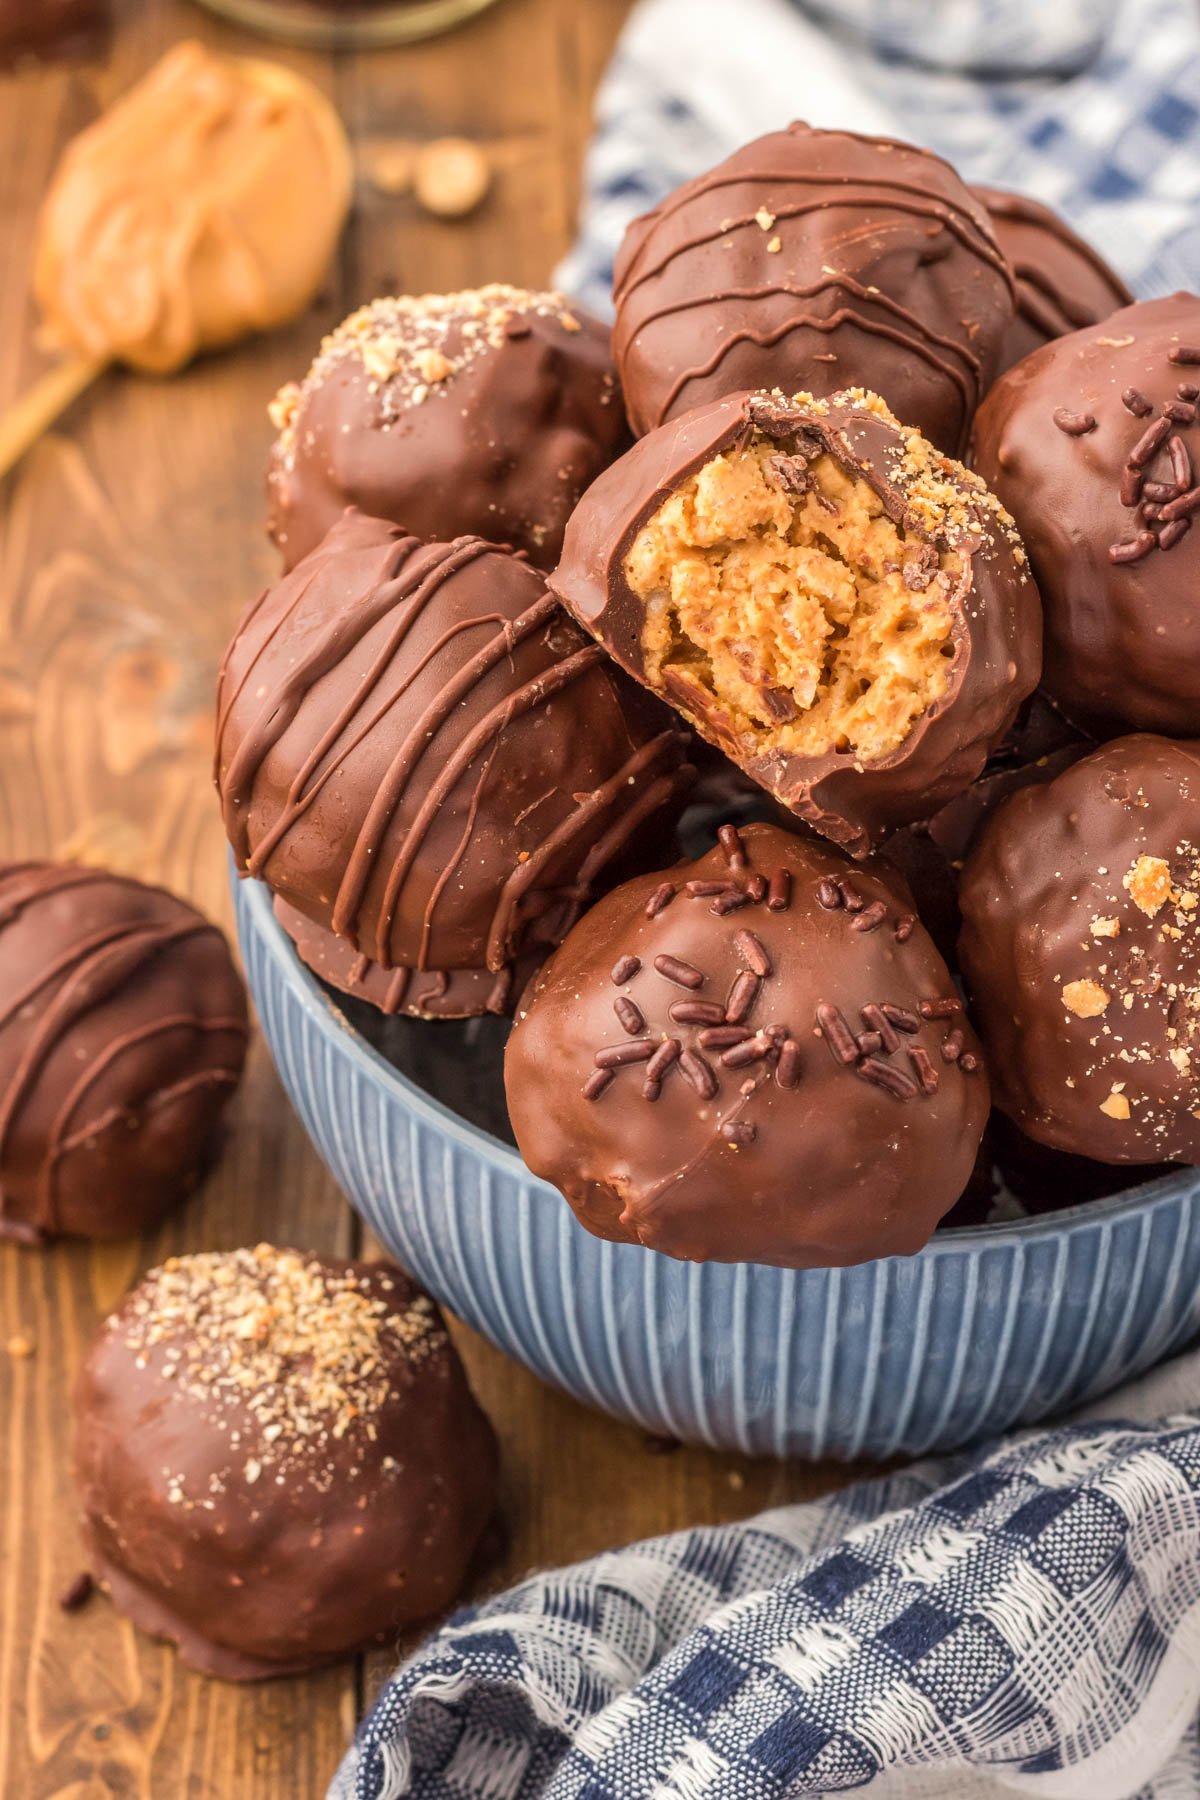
252	899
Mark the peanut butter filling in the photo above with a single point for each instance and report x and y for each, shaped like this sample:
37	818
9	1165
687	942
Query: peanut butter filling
779	592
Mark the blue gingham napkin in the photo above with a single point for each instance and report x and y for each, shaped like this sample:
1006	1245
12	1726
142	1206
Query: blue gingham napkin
1026	1619
1090	105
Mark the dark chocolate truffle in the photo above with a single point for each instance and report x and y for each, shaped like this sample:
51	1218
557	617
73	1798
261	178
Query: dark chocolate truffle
419	751
816	260
482	413
1081	950
1062	283
1092	444
755	1057
279	1458
833	603
122	1037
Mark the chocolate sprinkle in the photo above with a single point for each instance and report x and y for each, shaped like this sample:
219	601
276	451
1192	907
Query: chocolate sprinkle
752	1051
615	1056
596	1083
681	973
1183	505
651	1088
968	1062
704	890
720	1037
742	995
885	1075
837	1034
696	1012
731	844
729	901
1136	402
927	1075
1184	353
779	891
1183	412
664	1058
1132	551
629	1014
829	895
756	887
868	1042
871	917
1149	444
1073	423
738	1131
1131	487
852	900
876	1020
787	1070
1171	534
752	952
952	1046
699	1073
905	926
1181	462
625	968
660	899
943	1007
901	1018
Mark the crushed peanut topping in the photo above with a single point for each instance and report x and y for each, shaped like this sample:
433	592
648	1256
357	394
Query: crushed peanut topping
1106	928
1148	884
1086	999
412	345
1116	1106
285	1355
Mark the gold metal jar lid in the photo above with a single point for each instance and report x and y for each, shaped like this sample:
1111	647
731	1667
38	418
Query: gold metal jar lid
344	25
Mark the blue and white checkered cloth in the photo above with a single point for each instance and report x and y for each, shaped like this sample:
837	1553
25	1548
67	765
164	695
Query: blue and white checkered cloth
1090	105
1028	1619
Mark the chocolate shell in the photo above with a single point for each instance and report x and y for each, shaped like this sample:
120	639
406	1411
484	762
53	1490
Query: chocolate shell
421	753
123	1032
1081	951
483	413
1093	443
755	1057
816	260
1062	283
279	1459
839	608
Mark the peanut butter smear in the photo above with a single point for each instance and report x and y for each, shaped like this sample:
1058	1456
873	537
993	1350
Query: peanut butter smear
203	206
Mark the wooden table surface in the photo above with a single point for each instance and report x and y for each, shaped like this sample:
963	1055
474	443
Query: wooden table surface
129	541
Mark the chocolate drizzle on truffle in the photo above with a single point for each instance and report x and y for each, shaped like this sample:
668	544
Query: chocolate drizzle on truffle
418	751
811	255
122	1036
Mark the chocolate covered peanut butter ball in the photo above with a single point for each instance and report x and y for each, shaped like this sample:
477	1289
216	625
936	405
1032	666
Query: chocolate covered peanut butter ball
816	260
840	608
485	413
1093	444
1062	283
755	1057
279	1459
420	752
1081	950
123	1031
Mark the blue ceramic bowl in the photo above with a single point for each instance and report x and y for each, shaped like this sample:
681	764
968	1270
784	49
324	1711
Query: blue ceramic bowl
986	1328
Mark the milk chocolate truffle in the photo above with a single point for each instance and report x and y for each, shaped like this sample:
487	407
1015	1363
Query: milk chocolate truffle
122	1037
485	413
279	1458
204	205
1081	951
1091	443
816	260
755	1057
1062	283
842	610
420	752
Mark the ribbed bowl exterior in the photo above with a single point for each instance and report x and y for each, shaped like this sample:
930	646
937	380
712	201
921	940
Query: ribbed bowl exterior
985	1329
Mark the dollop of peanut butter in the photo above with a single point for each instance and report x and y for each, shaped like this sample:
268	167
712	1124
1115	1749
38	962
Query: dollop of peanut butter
203	206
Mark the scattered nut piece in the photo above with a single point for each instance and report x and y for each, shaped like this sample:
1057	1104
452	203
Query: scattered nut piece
451	177
1086	999
433	365
1106	928
20	1345
775	245
1116	1106
1148	884
1182	1061
764	219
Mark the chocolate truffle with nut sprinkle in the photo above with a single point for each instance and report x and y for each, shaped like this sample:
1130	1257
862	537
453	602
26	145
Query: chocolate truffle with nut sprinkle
1093	443
755	1057
486	412
421	753
840	608
279	1458
1081	950
815	259
1062	283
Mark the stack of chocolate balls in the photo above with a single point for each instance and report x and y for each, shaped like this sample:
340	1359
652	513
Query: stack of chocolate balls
457	739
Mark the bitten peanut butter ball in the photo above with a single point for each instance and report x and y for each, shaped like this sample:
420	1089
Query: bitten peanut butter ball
840	608
486	413
1081	951
123	1032
1093	443
1062	283
816	260
279	1459
420	753
755	1057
